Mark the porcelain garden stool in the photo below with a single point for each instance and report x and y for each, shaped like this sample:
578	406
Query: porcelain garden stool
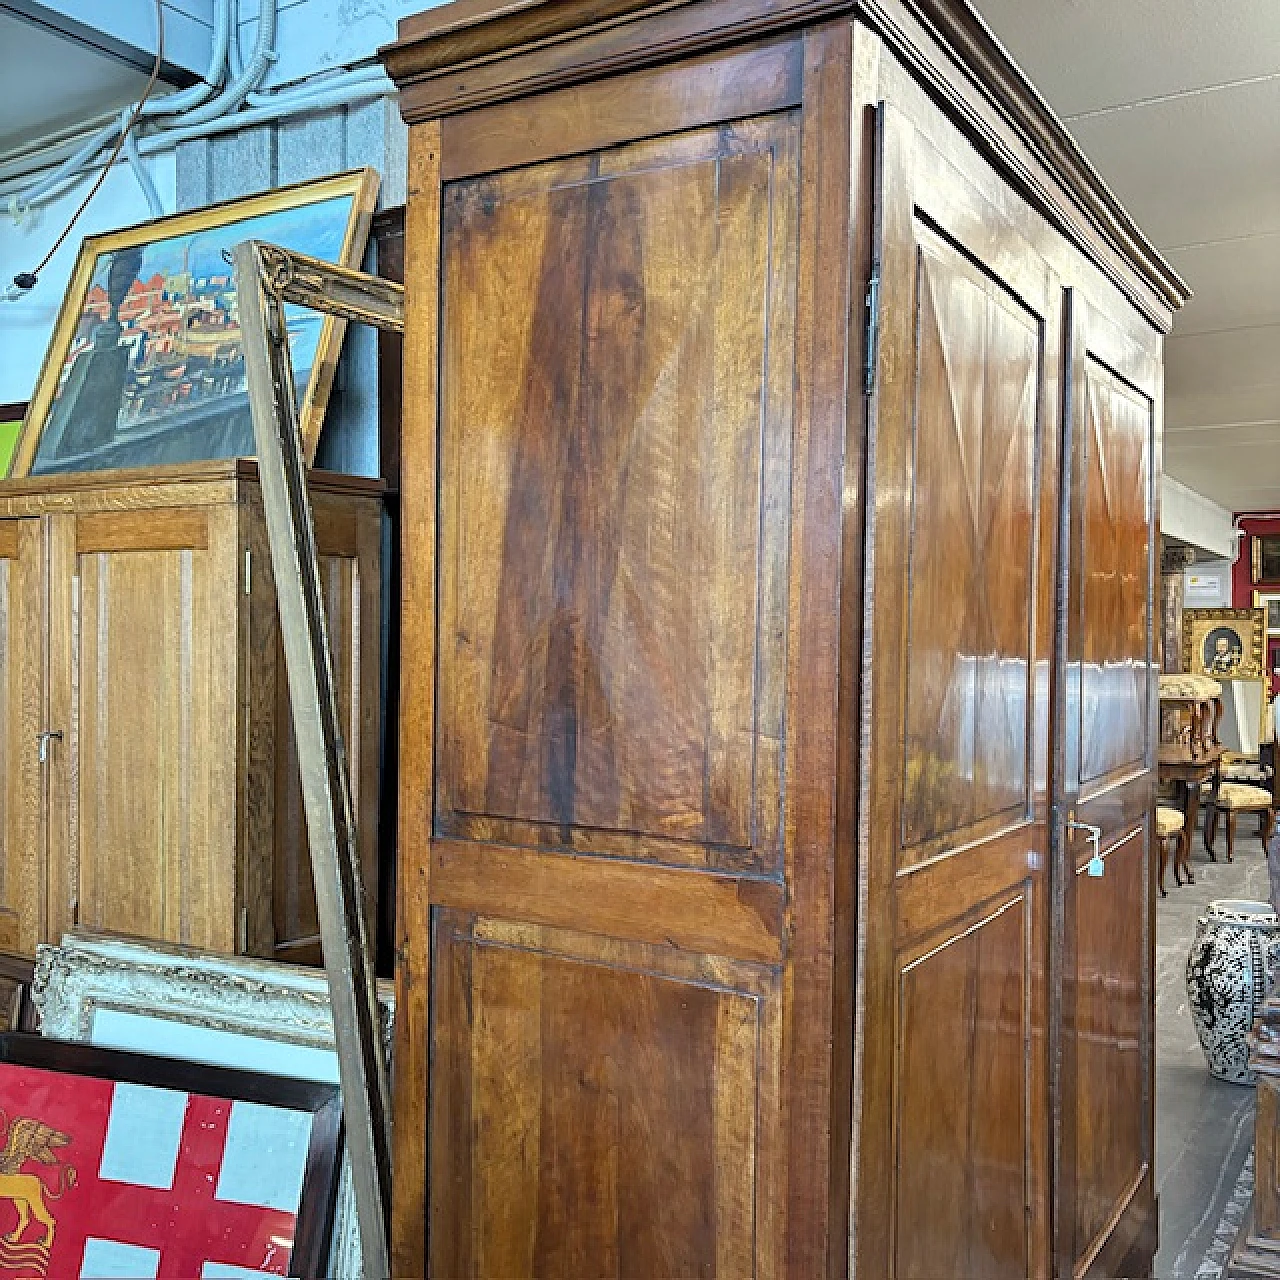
1230	969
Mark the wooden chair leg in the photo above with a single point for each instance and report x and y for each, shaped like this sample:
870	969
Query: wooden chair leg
1268	826
1211	830
1231	835
1183	856
1164	858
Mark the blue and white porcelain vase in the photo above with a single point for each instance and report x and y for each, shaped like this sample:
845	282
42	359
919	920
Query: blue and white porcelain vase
1233	961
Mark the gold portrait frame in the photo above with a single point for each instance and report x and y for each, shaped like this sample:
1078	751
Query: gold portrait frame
1203	627
360	185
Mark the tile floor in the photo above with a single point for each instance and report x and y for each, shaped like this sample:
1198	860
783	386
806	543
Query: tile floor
1204	1127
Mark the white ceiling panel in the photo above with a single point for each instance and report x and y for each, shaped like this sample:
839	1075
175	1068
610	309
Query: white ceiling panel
1196	168
1177	103
1240	476
1089	54
1236	283
48	82
1193	409
1223	361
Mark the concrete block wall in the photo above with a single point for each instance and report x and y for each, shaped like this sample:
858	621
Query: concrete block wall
261	158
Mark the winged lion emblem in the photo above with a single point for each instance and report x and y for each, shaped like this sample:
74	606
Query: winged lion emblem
30	1139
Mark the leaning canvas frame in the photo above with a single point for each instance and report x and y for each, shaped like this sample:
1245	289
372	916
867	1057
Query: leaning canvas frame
154	998
1244	629
74	324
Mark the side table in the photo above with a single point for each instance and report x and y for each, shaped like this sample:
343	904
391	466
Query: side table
1189	773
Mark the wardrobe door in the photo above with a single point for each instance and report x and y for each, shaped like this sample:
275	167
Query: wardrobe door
23	753
1103	1172
142	684
962	495
625	826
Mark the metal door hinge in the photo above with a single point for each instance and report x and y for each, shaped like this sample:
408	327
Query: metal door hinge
43	740
872	334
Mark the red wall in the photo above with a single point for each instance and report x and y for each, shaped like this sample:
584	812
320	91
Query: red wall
1242	584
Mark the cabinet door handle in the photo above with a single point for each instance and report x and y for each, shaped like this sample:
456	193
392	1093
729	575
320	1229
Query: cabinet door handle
43	740
1094	834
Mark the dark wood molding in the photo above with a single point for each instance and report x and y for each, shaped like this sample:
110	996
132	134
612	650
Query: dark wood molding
470	54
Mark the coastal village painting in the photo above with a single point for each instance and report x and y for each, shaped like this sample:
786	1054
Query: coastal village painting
152	370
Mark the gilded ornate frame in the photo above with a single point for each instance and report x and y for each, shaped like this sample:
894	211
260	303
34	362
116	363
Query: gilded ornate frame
360	184
266	278
1248	625
99	989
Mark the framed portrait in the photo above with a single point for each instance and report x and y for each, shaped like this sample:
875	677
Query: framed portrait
1269	603
152	997
11	418
145	366
1223	643
1265	555
120	1164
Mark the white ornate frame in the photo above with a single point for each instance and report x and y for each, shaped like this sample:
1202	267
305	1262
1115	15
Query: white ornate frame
258	999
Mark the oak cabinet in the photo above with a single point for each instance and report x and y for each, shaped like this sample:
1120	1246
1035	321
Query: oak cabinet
150	782
782	436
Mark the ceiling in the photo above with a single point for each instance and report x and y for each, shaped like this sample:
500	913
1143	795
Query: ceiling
1177	103
87	81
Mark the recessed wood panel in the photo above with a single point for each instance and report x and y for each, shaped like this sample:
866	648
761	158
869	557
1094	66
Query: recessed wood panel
615	432
296	925
600	1108
1115	677
977	397
22	719
1111	997
142	807
962	1093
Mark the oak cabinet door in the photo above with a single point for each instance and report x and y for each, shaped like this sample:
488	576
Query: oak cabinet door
24	756
347	540
962	532
142	681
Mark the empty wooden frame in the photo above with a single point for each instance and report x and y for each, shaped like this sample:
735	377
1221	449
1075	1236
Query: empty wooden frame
266	277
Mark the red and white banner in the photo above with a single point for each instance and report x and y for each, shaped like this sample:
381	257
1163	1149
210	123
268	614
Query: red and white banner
99	1178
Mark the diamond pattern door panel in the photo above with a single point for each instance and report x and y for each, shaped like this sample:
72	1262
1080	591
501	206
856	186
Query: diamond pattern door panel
1114	675
978	370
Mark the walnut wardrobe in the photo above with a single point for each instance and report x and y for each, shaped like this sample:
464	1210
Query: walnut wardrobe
781	450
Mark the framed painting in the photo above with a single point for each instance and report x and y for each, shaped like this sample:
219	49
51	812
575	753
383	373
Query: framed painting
120	1164
1265	556
11	416
1269	603
17	1013
1223	643
145	365
154	997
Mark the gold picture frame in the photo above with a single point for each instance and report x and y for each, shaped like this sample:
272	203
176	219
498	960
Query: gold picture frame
12	416
1269	603
1226	644
145	366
